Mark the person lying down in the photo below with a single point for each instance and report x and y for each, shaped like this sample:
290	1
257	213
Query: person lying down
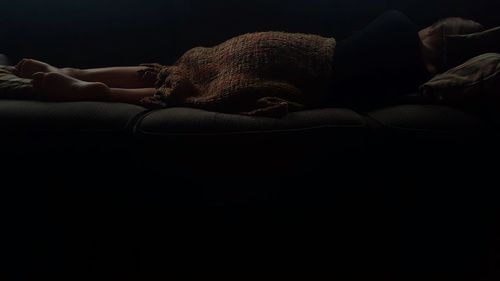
270	73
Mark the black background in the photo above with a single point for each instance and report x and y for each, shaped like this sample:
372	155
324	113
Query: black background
95	33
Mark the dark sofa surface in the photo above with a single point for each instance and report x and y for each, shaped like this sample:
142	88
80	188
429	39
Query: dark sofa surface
90	186
39	116
193	121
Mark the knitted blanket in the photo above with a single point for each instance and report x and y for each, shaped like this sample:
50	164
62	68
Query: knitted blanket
263	73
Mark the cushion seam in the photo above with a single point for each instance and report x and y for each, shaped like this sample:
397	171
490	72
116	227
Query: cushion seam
246	132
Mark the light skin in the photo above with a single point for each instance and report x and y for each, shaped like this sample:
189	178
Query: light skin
427	35
114	84
119	84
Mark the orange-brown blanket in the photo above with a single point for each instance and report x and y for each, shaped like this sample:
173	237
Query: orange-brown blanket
264	73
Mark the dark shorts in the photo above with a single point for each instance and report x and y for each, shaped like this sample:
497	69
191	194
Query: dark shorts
377	63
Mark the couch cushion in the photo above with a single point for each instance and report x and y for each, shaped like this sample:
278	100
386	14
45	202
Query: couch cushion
187	121
35	116
209	142
473	85
423	129
425	118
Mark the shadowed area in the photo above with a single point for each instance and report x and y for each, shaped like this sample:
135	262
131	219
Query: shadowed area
407	191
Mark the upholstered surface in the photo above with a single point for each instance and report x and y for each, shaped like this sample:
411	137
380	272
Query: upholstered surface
428	118
30	116
423	130
194	121
98	116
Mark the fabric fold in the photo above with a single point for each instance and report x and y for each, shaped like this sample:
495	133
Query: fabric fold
258	74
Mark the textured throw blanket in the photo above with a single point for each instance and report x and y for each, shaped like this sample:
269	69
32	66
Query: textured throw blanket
264	74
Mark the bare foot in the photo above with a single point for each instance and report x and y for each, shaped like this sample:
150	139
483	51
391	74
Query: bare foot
54	86
27	67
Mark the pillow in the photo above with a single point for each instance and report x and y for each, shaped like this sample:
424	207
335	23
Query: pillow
460	48
13	87
3	60
474	85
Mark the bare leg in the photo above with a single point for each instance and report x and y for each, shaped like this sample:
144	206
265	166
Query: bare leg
132	96
54	86
114	77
